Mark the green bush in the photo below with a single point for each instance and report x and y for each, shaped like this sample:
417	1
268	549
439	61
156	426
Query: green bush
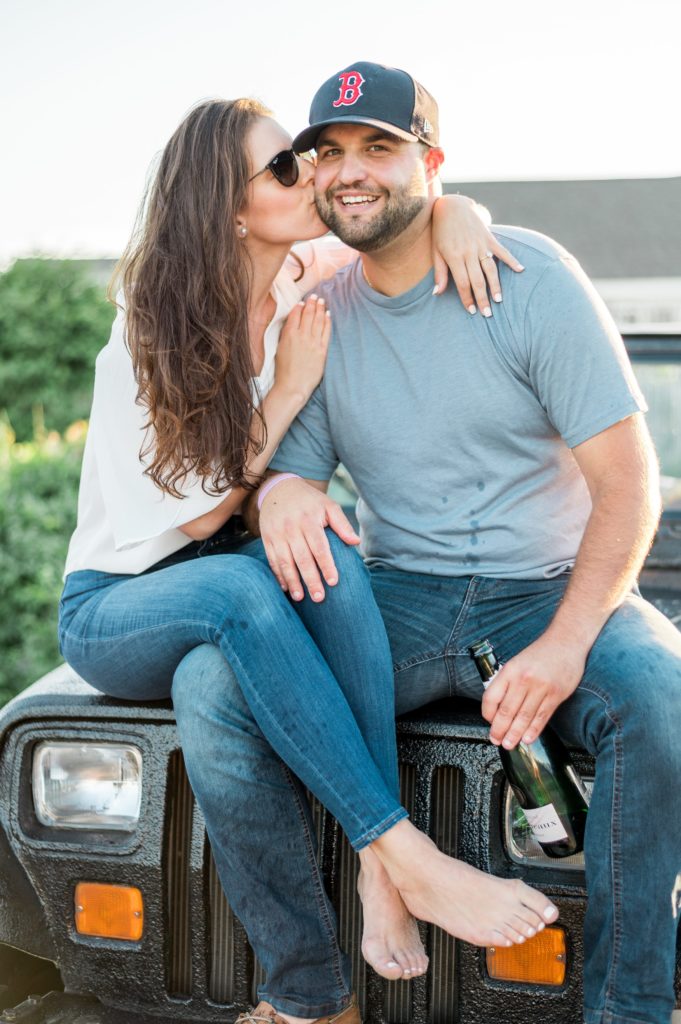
53	321
38	496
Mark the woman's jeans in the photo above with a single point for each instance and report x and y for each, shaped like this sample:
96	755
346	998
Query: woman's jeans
321	699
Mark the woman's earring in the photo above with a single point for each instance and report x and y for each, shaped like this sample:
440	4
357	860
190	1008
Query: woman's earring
243	231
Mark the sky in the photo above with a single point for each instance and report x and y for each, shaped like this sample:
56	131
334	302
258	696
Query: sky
531	89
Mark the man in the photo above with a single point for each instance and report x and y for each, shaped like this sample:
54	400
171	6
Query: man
508	489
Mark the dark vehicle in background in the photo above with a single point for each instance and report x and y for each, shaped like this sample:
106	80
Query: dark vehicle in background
111	911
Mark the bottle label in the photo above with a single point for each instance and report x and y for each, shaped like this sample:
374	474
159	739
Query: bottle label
545	824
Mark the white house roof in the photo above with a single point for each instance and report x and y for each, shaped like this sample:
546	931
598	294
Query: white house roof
616	227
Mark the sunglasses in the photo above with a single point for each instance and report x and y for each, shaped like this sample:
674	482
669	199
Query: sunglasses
284	167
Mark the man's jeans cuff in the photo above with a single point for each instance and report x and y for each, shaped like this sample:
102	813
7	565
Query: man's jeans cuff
608	1017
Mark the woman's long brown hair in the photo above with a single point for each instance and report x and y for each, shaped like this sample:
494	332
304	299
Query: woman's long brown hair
186	281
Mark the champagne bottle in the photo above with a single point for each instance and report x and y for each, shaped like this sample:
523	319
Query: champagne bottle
550	792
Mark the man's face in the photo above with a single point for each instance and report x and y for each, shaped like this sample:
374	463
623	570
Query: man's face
369	185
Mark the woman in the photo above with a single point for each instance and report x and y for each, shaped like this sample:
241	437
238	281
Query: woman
191	400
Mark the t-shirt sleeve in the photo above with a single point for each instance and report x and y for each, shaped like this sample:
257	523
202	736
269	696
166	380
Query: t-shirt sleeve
578	366
308	448
320	260
137	509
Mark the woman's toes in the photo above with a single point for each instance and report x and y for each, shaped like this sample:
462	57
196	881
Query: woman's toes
390	970
418	966
513	934
413	972
526	922
384	961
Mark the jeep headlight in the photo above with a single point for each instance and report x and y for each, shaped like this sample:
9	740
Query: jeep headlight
87	785
521	845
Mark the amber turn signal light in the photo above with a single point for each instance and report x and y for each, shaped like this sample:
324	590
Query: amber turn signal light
109	911
537	961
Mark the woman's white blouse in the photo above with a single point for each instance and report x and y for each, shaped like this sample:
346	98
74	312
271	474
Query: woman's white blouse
125	522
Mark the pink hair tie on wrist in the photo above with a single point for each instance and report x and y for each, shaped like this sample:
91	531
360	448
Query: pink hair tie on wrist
272	482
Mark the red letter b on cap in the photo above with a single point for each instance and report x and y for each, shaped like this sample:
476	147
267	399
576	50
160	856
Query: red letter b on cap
350	88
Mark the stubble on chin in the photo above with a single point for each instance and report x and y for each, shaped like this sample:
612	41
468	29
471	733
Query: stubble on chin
368	235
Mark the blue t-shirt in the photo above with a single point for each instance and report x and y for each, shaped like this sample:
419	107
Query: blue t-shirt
457	429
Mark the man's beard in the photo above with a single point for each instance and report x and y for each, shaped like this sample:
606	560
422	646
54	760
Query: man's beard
400	209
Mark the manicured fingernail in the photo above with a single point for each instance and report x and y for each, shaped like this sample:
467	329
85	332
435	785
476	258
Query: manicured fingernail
332	581
550	913
540	926
317	596
392	963
320	300
531	932
296	595
497	297
436	289
328	313
472	310
520	266
487	311
312	297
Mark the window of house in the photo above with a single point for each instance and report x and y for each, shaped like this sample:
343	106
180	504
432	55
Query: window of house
660	378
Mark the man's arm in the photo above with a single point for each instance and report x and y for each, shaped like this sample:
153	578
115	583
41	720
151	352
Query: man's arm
621	471
292	522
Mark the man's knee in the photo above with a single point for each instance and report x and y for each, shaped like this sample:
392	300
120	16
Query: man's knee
638	642
635	666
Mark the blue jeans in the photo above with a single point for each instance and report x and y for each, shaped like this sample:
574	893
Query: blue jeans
626	712
295	708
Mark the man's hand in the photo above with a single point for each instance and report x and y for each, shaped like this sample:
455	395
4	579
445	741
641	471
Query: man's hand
620	469
292	522
529	688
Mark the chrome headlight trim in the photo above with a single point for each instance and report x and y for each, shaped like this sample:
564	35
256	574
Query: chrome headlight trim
86	785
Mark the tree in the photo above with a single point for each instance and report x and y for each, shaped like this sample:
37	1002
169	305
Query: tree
38	493
53	321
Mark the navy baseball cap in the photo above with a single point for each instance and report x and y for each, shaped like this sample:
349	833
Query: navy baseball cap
373	94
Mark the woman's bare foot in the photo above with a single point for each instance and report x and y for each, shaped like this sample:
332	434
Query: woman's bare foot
391	943
465	902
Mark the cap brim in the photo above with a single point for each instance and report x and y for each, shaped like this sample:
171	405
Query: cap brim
307	139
